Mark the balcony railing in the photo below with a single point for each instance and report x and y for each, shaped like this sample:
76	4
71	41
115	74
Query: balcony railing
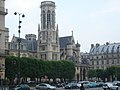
4	52
3	11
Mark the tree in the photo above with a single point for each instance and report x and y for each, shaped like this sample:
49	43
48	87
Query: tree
99	73
34	68
67	69
11	69
91	73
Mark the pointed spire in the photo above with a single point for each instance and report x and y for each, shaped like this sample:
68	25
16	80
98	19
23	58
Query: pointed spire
57	30
38	27
72	32
13	35
77	45
57	27
57	34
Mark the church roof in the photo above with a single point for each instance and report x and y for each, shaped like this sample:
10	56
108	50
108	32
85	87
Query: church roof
64	41
30	45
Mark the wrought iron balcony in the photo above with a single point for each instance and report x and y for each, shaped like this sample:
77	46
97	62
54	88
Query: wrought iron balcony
4	52
3	11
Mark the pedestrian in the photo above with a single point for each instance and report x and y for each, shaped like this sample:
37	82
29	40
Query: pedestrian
82	87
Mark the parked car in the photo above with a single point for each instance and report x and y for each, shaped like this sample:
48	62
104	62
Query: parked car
116	83
45	86
31	82
110	86
85	84
92	84
71	86
100	84
21	87
60	85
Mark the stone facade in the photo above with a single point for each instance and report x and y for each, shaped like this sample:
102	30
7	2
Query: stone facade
28	46
49	45
84	65
48	39
69	50
3	38
103	56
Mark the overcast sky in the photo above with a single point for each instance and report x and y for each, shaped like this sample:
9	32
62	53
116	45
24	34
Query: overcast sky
92	21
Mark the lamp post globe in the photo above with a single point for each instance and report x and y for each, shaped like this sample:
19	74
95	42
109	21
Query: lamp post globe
19	41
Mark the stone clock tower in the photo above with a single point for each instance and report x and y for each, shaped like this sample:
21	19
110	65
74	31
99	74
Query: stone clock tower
48	38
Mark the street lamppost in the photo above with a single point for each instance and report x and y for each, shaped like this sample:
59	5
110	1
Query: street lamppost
19	41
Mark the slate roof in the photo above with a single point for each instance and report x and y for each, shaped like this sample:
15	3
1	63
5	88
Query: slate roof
30	45
64	41
110	48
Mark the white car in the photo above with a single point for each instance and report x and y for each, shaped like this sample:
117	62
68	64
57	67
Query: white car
45	86
110	86
85	84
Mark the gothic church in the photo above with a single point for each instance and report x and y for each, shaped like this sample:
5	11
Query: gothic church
49	45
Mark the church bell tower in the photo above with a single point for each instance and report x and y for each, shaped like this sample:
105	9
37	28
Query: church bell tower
48	38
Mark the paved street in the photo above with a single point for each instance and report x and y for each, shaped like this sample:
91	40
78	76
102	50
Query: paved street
79	89
76	89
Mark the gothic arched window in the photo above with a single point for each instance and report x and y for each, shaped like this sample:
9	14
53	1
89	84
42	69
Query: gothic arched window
53	19
48	18
44	19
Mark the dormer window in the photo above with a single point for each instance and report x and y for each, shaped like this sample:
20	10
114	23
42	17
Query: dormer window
102	51
107	50
112	49
118	49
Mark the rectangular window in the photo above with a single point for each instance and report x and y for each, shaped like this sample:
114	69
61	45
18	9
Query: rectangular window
112	61
43	48
16	47
0	39
107	61
118	61
97	62
92	62
21	47
43	35
102	62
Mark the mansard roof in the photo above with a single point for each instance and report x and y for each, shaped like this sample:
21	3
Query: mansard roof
105	49
64	41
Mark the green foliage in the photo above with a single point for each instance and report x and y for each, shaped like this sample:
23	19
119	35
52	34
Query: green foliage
91	73
11	67
34	68
113	71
